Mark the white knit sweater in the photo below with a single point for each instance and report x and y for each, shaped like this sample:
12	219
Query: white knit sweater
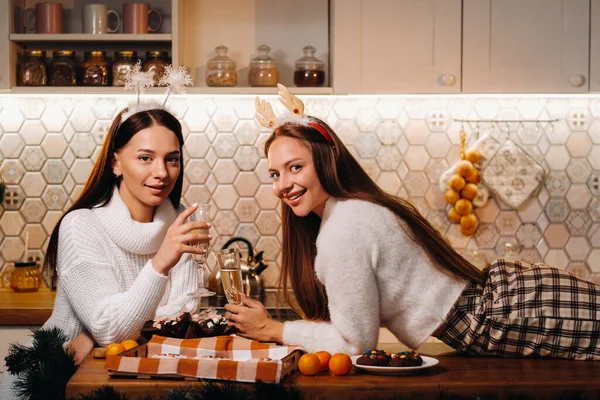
106	282
374	275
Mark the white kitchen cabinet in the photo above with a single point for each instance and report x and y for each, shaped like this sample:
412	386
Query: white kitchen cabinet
396	46
190	32
526	46
595	46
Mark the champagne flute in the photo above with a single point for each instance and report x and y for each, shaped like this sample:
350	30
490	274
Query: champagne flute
231	275
202	213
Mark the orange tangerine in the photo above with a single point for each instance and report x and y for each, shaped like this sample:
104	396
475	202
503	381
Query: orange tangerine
456	182
113	349
469	192
464	168
463	207
324	357
129	344
474	177
451	196
309	364
473	156
340	364
453	216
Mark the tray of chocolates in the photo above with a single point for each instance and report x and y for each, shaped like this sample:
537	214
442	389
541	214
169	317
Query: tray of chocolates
381	362
206	323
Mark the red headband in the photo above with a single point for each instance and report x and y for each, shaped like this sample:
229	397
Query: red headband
323	132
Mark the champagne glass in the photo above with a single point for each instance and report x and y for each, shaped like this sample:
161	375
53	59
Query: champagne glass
202	213
231	274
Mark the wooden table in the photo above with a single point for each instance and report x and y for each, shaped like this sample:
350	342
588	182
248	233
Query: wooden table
467	376
26	308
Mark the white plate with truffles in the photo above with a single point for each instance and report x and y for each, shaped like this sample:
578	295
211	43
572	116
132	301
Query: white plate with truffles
428	362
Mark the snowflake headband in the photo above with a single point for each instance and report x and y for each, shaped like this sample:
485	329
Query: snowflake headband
266	117
137	81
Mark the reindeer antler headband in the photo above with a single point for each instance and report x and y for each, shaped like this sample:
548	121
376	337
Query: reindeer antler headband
266	117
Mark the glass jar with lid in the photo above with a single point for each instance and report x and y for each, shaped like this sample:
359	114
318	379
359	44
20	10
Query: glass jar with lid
25	277
310	71
94	69
63	68
156	61
263	68
33	68
221	70
125	60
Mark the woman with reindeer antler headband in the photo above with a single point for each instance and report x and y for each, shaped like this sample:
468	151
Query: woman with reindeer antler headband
358	258
122	250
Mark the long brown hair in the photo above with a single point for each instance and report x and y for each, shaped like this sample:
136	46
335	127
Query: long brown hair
342	177
98	189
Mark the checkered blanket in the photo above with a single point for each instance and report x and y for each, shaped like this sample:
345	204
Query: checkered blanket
527	310
220	357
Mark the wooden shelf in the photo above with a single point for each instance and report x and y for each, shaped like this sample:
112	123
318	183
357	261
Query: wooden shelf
83	37
116	90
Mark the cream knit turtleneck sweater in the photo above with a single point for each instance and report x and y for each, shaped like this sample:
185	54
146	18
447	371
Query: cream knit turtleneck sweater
374	275
106	282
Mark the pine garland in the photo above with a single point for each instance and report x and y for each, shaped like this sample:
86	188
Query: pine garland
267	391
44	367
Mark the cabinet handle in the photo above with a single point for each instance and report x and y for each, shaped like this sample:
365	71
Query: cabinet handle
577	80
447	80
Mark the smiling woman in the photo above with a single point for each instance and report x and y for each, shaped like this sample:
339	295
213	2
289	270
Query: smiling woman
358	258
122	251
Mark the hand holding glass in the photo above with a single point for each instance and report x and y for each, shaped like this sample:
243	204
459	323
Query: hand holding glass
231	275
202	213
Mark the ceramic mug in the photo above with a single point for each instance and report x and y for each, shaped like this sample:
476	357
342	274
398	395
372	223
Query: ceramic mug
136	16
48	18
95	19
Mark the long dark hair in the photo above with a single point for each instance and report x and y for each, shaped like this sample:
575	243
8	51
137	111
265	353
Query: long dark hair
98	189
342	177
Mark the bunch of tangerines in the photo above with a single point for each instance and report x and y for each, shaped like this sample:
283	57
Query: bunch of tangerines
321	361
117	348
462	189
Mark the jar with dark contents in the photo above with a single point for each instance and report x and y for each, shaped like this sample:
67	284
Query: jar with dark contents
221	70
263	68
94	69
63	68
125	60
156	61
310	70
33	68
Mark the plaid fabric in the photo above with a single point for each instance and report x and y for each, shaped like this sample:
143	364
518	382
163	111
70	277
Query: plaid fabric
243	360
527	310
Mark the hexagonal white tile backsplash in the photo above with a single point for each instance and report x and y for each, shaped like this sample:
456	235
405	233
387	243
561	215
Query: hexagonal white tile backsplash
48	146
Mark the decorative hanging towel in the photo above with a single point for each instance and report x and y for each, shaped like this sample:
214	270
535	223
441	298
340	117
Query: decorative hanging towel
512	174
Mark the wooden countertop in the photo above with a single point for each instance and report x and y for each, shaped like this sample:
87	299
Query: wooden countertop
25	308
465	376
34	308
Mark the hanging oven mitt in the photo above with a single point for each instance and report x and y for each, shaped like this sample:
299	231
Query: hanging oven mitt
512	174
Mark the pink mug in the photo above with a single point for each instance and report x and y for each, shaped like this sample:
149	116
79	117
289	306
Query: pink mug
136	16
48	18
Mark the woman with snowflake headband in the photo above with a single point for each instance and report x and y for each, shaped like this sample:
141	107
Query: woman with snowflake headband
122	251
358	258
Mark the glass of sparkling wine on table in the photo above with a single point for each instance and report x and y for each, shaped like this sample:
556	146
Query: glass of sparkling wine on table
231	274
202	213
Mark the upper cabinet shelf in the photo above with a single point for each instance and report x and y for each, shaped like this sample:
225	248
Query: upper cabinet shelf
368	46
191	30
83	37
